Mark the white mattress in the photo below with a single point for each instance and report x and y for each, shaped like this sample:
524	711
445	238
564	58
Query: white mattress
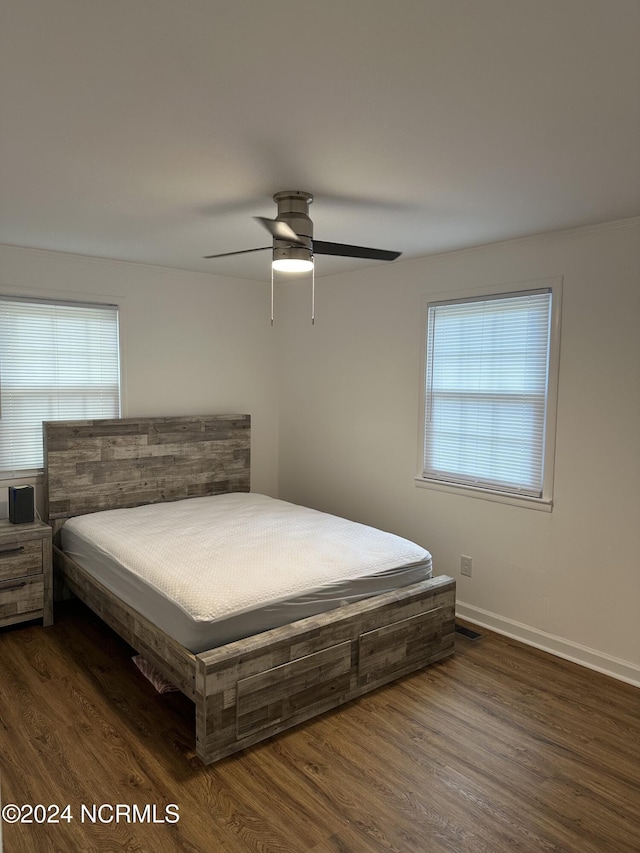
211	570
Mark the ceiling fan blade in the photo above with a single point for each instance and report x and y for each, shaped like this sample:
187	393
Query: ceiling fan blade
343	250
279	229
241	252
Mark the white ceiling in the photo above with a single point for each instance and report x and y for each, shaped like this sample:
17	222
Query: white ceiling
153	130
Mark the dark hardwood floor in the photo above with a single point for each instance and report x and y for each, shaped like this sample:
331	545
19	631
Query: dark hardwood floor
501	748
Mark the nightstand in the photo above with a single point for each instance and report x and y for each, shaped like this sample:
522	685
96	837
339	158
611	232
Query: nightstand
25	573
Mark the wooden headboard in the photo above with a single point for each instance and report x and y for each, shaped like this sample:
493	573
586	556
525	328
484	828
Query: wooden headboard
111	464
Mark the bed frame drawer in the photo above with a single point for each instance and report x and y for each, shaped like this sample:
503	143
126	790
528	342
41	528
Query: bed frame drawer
291	689
284	692
401	646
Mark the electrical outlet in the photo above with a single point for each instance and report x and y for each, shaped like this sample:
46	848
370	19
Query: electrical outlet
465	565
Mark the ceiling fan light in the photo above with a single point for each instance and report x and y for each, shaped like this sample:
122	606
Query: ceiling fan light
292	265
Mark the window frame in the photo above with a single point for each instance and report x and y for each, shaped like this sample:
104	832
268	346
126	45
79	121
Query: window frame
545	502
37	296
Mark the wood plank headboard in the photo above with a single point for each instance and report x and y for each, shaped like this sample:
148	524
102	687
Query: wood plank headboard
110	464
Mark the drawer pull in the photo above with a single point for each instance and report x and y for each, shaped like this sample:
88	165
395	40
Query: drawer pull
5	551
13	586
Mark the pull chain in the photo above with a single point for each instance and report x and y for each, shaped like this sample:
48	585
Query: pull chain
272	295
313	292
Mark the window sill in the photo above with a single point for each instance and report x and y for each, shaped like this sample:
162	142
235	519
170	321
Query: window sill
540	504
33	475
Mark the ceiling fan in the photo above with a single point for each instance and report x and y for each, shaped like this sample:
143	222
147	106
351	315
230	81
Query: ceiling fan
293	247
293	243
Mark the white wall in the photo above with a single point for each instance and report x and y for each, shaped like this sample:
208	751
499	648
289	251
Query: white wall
568	581
191	343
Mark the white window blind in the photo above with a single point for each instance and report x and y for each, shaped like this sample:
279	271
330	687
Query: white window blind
486	391
58	361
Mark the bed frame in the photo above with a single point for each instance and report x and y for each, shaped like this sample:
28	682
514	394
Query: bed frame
257	687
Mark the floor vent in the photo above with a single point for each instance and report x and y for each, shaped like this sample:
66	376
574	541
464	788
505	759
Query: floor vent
467	632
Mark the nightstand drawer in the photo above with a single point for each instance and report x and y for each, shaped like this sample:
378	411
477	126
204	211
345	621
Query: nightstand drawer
20	558
19	596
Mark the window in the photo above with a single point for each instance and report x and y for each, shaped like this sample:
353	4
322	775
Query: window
58	361
489	413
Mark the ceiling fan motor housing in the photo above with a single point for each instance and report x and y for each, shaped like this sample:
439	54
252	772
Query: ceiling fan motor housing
293	208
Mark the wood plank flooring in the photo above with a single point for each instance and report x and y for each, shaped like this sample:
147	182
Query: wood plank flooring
500	748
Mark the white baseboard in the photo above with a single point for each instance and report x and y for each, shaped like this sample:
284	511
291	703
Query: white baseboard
621	669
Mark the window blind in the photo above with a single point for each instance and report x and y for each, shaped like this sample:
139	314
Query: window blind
486	394
58	361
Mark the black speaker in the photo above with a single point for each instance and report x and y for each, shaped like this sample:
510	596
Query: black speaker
21	504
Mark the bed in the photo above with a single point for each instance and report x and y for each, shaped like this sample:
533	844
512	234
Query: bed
247	684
